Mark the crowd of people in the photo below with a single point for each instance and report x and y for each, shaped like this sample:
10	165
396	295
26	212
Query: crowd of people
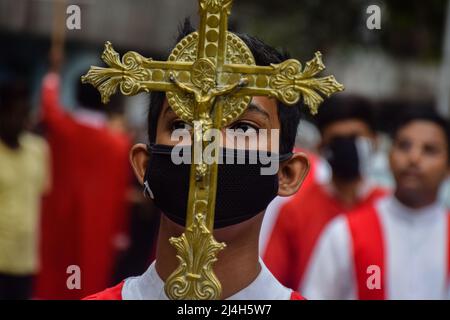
348	238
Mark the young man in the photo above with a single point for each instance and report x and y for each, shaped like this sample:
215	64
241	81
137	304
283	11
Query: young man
24	178
242	197
398	247
346	125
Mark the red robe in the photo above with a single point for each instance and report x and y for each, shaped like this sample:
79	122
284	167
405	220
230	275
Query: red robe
298	227
87	206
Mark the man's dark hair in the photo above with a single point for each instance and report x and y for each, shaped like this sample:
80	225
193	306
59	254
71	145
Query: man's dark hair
14	93
421	113
14	110
345	107
264	55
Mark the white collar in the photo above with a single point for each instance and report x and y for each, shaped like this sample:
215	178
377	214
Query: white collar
149	286
409	215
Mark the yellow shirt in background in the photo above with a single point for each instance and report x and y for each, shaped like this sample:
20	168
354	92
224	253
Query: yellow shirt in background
24	177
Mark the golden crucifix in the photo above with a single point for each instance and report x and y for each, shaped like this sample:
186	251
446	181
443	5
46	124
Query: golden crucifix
209	80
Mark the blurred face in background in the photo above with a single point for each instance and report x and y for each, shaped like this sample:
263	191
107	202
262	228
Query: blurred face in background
419	162
347	145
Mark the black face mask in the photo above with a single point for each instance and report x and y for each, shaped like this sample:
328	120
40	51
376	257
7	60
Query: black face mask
242	192
342	155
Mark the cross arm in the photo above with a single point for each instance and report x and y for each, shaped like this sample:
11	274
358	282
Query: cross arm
288	82
133	74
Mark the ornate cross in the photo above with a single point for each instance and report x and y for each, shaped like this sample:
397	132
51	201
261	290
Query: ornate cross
209	80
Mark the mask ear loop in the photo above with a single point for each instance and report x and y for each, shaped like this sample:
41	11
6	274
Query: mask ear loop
147	191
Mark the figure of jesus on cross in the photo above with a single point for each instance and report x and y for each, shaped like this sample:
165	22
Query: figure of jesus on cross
204	88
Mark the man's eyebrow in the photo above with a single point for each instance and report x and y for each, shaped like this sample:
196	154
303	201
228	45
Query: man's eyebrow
253	107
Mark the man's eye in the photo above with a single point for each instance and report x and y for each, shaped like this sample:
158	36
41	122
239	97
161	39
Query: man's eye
181	125
244	127
431	150
403	145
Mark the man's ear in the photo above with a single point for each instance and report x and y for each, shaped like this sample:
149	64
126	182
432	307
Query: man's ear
139	158
292	173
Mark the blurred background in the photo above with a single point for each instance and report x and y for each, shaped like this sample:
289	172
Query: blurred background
93	214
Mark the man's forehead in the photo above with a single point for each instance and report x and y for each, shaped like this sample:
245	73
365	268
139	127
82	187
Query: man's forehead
422	129
345	126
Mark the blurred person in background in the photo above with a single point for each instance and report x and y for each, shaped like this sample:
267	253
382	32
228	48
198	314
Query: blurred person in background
85	215
398	247
138	244
346	126
24	178
307	141
142	237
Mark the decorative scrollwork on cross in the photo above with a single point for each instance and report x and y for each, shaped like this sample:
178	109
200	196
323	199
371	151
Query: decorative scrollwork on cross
290	83
128	73
193	278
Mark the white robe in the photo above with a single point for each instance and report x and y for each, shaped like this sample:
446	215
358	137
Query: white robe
416	255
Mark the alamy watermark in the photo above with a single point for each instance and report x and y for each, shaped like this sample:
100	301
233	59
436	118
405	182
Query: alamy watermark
73	20
73	281
373	21
374	279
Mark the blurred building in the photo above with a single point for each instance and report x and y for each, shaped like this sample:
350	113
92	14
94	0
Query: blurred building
145	25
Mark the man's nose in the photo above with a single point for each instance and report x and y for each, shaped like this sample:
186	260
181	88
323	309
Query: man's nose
415	155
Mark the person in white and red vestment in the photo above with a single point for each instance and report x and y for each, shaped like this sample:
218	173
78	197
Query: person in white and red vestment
345	123
398	246
243	194
87	207
319	172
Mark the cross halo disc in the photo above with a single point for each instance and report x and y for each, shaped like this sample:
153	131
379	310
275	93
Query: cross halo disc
237	52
